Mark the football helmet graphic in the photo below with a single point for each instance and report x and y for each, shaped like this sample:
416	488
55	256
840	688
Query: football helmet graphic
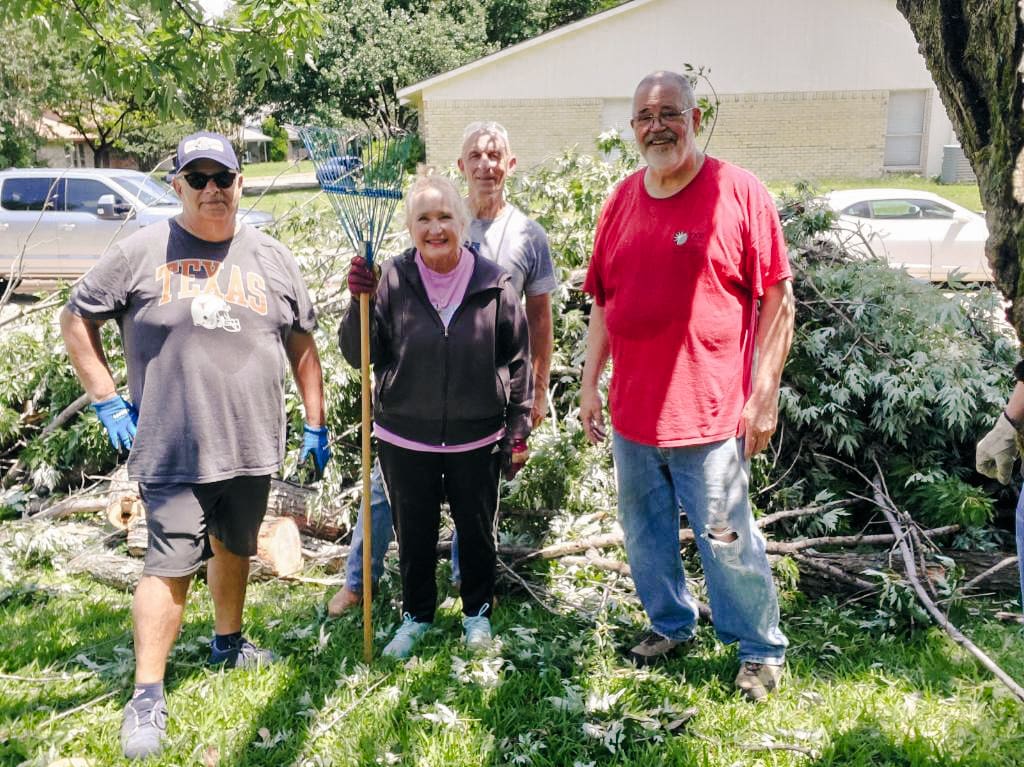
211	312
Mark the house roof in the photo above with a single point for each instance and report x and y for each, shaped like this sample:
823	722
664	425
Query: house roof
251	134
50	128
410	92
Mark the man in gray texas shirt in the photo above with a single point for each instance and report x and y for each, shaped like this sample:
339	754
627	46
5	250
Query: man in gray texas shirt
503	233
208	312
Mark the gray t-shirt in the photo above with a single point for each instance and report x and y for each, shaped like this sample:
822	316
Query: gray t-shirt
203	326
519	245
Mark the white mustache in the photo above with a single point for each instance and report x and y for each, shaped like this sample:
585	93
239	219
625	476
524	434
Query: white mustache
661	136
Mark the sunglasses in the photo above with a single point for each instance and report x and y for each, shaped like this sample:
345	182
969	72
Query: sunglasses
223	179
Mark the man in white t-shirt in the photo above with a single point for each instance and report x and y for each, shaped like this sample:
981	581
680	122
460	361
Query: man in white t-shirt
503	233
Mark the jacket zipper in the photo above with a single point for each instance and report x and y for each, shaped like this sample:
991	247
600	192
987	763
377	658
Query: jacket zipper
444	388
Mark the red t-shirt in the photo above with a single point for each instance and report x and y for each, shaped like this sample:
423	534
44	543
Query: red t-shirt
679	280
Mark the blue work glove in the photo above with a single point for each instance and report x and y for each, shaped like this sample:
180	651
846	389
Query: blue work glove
314	441
119	418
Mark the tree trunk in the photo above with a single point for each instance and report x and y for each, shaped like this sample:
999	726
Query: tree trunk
815	581
973	49
101	156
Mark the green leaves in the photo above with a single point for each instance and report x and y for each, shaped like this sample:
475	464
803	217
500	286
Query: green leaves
887	368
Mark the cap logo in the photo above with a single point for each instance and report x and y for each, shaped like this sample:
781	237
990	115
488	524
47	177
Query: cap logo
203	143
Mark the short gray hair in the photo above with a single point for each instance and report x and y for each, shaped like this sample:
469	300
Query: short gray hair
426	179
664	75
488	128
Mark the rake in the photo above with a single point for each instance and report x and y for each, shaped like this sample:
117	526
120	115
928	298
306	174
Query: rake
362	176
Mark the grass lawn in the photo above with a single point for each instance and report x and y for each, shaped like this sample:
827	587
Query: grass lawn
280	203
259	169
554	692
966	195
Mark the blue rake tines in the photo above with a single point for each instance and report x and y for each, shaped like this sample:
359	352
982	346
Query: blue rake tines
362	175
393	194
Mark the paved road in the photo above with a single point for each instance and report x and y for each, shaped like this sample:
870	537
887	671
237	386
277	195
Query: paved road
286	181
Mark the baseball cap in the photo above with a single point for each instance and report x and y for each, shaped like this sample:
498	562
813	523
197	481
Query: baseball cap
205	145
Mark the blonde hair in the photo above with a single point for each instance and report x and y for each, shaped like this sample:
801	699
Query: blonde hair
426	179
487	128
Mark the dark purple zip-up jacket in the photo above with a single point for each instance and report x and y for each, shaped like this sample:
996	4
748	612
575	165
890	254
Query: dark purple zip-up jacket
446	386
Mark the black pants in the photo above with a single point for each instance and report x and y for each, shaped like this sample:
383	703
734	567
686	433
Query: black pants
416	483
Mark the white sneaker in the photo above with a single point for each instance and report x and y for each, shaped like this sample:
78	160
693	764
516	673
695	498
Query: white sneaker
405	638
477	630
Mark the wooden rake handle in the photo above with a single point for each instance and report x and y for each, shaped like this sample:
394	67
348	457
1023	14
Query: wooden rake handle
364	368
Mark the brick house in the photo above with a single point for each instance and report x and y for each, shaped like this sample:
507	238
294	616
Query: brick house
807	88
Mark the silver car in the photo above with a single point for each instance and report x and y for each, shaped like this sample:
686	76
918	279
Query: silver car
927	235
63	219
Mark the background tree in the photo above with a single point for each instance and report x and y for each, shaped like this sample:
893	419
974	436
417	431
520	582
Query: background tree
973	50
22	89
370	49
278	149
127	61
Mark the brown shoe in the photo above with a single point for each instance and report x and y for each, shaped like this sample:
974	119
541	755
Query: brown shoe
756	680
651	648
344	600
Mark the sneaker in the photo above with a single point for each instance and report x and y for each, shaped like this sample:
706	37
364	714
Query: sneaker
240	654
405	638
345	600
651	648
756	680
143	728
477	630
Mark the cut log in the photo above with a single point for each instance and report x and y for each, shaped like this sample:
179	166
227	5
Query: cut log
124	510
816	580
138	536
115	570
288	499
279	546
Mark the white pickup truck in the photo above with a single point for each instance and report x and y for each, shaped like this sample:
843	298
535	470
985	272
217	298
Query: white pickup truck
63	219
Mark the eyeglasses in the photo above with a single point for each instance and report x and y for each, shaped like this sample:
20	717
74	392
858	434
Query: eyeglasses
223	179
668	117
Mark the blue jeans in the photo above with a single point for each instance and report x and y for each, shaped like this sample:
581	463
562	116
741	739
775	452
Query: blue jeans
710	482
383	531
1020	543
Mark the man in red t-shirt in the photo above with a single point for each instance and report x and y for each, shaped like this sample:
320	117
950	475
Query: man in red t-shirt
693	303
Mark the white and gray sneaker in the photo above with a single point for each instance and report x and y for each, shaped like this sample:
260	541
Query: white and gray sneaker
477	630
405	638
143	727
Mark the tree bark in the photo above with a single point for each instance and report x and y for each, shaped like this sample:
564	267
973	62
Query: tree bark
973	49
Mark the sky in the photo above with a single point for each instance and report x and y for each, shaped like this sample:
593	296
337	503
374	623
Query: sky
214	8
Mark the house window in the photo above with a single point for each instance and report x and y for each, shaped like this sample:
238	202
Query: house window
904	130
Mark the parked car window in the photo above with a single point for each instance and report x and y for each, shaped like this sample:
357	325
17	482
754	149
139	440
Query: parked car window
32	194
83	195
894	209
148	190
858	209
933	210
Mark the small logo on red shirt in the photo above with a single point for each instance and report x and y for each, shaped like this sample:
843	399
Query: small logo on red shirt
681	238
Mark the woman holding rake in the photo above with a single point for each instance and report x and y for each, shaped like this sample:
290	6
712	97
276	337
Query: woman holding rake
450	350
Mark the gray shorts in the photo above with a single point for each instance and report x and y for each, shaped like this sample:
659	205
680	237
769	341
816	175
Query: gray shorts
182	517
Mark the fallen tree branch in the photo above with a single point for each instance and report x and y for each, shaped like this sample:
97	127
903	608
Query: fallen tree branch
1002	564
778	516
789	547
608	540
834	572
888	508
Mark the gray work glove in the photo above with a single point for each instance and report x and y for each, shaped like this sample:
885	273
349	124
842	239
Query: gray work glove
997	451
